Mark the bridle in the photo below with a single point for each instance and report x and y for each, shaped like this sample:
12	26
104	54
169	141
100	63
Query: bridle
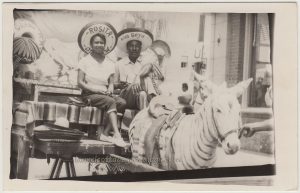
221	137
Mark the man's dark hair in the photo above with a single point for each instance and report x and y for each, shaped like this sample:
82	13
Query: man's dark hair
134	40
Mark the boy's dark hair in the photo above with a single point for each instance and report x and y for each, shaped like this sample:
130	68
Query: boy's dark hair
185	87
97	35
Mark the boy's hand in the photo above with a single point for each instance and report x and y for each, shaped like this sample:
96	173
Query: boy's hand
110	90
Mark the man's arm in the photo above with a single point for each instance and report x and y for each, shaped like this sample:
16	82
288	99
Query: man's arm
158	71
151	67
146	69
249	129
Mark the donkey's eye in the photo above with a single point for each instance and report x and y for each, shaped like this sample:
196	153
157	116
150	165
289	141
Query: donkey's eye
218	111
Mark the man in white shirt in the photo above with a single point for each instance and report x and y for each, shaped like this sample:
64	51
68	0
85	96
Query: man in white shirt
131	70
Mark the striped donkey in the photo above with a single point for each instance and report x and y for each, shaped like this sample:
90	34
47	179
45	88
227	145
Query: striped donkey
189	141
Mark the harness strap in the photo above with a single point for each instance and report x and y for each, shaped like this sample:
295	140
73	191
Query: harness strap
170	155
170	122
220	138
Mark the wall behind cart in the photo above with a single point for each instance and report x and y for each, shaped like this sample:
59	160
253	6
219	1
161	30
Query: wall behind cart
61	53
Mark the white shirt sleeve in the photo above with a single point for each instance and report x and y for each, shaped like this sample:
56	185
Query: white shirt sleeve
82	65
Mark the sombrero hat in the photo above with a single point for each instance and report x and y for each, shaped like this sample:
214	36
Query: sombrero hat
142	35
93	28
161	48
27	29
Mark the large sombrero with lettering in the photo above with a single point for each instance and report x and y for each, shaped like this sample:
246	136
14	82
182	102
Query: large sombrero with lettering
142	35
93	28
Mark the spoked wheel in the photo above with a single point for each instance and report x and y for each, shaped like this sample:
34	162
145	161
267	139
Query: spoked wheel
116	169
106	169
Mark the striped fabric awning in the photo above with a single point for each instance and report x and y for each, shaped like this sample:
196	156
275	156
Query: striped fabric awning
50	111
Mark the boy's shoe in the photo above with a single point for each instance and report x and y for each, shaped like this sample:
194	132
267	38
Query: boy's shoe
106	138
118	141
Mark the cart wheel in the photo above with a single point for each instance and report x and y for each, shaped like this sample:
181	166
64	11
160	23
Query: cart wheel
106	169
116	169
99	169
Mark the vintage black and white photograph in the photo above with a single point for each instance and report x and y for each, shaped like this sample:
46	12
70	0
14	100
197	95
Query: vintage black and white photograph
104	95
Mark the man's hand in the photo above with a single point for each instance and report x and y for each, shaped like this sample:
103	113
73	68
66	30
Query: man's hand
121	85
101	92
136	88
124	84
247	131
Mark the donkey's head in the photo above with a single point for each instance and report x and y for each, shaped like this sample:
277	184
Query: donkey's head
225	109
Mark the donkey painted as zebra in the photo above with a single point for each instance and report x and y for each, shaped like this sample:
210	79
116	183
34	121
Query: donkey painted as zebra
190	140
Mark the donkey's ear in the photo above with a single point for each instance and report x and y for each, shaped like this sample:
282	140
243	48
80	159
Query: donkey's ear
240	87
